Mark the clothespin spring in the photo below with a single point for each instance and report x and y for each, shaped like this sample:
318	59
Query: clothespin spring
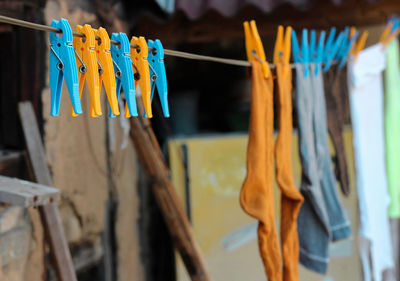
60	64
154	76
100	67
137	74
118	72
82	68
254	53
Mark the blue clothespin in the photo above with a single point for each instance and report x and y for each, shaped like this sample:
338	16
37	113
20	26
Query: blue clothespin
158	74
295	48
320	52
303	55
331	48
124	71
313	47
63	65
396	22
344	50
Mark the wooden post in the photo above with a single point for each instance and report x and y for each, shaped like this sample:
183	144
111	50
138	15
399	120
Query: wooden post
150	156
49	213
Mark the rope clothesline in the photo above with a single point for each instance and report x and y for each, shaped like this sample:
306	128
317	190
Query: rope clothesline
167	52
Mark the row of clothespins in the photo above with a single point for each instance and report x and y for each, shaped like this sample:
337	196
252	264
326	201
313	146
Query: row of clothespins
322	53
92	58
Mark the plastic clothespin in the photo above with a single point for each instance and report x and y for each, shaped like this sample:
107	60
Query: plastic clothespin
142	72
254	47
349	37
320	52
63	65
331	48
358	46
342	47
391	30
282	48
303	55
106	68
158	74
87	66
313	46
124	72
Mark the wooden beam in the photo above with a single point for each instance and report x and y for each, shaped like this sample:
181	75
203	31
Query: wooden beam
151	158
26	194
49	213
212	26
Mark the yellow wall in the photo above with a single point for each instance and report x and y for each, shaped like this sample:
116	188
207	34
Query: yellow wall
226	235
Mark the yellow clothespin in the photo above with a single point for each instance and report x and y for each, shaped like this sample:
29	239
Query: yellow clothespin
88	67
141	64
106	69
254	47
389	34
282	48
358	46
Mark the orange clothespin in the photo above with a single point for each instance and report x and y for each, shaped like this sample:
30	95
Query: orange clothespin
358	46
282	48
141	65
254	47
391	31
106	69
88	67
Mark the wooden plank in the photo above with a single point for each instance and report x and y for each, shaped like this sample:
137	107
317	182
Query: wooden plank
49	213
34	144
151	158
26	194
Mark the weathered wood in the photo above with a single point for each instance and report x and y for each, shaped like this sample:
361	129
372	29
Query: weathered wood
10	163
49	213
178	225
26	194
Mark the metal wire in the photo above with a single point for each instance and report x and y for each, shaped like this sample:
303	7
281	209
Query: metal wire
167	52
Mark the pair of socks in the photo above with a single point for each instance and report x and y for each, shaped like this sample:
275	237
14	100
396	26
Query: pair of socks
257	194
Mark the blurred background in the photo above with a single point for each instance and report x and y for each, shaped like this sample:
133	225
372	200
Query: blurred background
113	225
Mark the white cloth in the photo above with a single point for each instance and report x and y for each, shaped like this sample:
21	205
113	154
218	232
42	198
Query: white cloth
367	114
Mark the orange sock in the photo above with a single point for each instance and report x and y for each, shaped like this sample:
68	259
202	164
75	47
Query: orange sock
256	196
291	199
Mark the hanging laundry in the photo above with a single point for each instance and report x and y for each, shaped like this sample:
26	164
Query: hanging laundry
392	126
336	95
321	218
366	104
291	199
335	113
257	195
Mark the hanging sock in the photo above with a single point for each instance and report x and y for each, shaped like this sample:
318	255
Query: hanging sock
321	217
257	196
291	199
392	128
367	116
335	105
335	94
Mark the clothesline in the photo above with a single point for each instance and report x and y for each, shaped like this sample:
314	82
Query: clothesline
167	52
